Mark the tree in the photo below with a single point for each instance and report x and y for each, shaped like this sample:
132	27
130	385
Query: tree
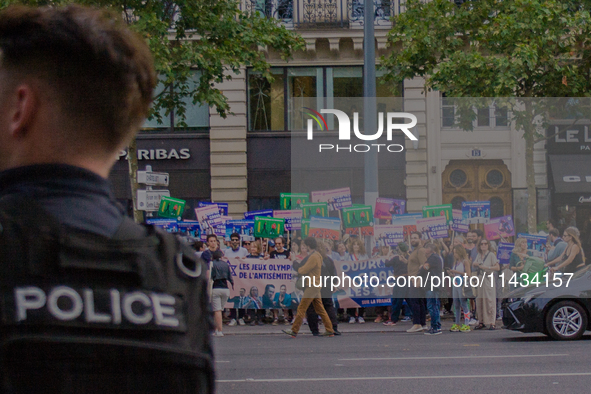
215	37
522	49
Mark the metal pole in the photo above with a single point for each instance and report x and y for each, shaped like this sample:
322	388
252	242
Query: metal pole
369	92
369	110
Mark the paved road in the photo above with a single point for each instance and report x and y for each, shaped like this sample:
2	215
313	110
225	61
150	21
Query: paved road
372	361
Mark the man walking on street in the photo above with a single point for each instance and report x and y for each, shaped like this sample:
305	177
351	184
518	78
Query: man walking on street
312	270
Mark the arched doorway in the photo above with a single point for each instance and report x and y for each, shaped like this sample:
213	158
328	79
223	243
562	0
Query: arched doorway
478	180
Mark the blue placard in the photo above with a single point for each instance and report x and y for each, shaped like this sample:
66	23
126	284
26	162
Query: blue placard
535	243
190	228
265	212
504	252
222	206
170	225
243	227
475	212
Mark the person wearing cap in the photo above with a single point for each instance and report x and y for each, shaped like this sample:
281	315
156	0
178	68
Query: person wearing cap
399	264
270	249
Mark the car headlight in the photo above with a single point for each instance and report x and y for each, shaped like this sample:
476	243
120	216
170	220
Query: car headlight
529	296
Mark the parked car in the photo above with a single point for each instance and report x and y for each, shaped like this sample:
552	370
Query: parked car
560	308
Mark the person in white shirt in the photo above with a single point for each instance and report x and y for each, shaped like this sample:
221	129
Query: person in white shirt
235	250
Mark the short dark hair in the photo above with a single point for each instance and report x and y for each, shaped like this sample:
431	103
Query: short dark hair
198	245
268	287
216	255
235	235
478	232
311	243
211	236
420	234
554	232
100	72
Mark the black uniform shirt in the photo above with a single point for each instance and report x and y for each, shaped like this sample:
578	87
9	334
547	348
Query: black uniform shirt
75	196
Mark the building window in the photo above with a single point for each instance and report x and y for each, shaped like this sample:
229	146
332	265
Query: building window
458	178
344	82
497	207
196	115
266	101
491	116
494	178
269	102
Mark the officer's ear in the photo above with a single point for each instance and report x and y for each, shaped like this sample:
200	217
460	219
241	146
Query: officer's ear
23	108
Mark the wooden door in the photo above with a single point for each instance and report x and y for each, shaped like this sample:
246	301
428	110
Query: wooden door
478	180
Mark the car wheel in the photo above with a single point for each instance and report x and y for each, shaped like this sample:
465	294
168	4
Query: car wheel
566	320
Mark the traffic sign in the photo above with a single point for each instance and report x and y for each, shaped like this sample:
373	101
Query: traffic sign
153	178
149	200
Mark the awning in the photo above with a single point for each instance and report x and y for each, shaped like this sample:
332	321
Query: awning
571	173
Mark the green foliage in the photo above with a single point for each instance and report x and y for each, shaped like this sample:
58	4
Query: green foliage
515	52
212	36
494	48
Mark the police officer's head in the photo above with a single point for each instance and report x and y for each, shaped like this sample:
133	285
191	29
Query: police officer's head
75	86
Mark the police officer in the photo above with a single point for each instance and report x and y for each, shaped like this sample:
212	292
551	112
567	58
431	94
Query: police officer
75	86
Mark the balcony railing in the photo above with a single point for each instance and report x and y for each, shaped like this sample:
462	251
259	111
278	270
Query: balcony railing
323	14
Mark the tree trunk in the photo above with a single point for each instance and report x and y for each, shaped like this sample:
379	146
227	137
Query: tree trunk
530	172
138	215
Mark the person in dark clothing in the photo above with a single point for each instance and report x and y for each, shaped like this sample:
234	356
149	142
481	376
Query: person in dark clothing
328	269
432	267
220	275
399	266
76	85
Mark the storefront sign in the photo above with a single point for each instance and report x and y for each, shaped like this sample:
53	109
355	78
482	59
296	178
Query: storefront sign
570	139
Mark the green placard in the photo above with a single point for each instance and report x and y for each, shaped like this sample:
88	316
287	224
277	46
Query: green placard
431	211
289	201
171	207
314	209
266	227
305	227
358	216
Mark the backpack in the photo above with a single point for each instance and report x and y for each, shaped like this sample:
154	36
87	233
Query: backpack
83	313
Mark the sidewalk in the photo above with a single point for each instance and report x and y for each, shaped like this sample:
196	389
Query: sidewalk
344	327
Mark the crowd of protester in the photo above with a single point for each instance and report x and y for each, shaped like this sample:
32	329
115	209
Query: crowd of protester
462	257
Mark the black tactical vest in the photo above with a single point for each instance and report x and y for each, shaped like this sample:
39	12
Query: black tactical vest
82	313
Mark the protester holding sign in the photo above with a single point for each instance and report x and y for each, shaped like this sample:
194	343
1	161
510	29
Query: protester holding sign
461	267
284	254
399	266
357	253
416	293
341	253
486	262
573	256
557	245
235	250
433	266
519	255
256	250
